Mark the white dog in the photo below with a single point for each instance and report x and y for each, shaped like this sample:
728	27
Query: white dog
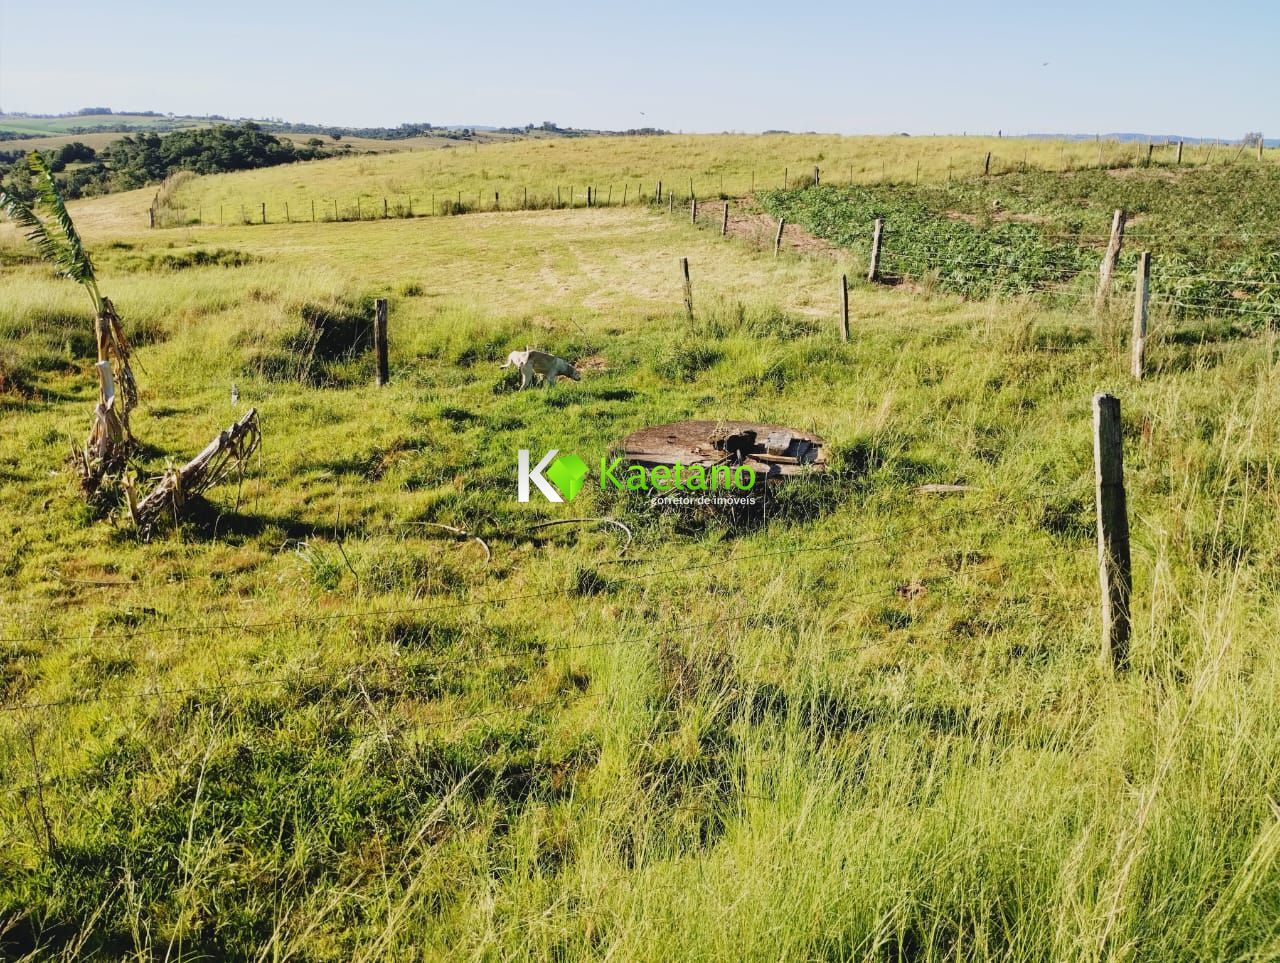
534	364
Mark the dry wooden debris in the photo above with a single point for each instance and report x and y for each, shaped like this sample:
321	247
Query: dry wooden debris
230	450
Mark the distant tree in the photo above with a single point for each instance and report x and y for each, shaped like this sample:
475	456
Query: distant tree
1252	139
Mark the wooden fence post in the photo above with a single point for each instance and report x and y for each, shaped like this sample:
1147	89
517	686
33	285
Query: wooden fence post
1141	306
785	171
313	210
1179	161
688	288
384	207
724	222
693	210
382	375
625	188
817	177
877	236
287	218
844	307
588	195
777	240
1108	266
608	198
151	217
1115	570
671	202
1261	143
657	194
264	212
986	165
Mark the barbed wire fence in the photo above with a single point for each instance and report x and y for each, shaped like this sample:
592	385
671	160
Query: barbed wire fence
356	678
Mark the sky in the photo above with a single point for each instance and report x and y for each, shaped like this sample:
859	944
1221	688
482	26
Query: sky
1197	69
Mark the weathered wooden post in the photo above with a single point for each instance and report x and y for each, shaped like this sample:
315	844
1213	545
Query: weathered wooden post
588	195
671	202
1262	141
693	210
1179	161
264	212
313	210
360	213
777	240
385	209
382	376
724	221
785	172
1141	306
844	307
657	193
525	204
625	188
287	218
688	288
817	177
986	165
151	217
877	237
1115	570
1150	147
1108	266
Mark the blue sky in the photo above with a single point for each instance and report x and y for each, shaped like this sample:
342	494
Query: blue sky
853	67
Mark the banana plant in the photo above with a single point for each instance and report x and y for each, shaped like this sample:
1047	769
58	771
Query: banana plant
48	226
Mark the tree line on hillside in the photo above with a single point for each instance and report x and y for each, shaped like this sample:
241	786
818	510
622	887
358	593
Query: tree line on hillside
145	158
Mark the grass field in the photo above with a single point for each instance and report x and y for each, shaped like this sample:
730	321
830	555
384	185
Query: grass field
308	724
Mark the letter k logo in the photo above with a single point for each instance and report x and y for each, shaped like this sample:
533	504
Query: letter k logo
535	475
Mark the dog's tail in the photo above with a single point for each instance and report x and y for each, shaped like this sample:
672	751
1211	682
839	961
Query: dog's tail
507	365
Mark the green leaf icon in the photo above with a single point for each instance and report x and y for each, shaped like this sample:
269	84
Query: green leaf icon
567	473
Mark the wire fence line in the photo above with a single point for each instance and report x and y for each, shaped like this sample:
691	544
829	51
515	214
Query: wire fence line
352	674
214	622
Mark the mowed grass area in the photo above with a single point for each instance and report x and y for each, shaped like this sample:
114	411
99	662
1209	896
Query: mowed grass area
310	725
732	164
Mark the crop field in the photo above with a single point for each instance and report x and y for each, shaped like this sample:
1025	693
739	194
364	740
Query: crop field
362	704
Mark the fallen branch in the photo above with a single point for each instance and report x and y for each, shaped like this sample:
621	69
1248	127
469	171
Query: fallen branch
571	521
488	555
230	449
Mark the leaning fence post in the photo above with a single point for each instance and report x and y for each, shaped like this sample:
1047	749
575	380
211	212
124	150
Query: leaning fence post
877	237
380	341
1179	161
844	307
724	223
688	288
1108	266
777	240
986	165
1141	306
1115	571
